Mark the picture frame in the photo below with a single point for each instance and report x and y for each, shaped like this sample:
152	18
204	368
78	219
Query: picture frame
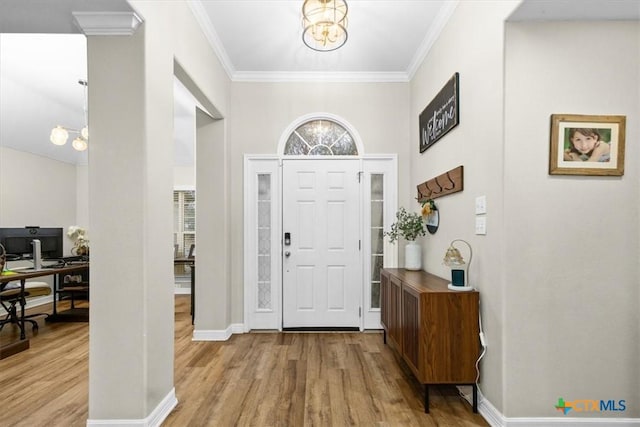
441	115
587	145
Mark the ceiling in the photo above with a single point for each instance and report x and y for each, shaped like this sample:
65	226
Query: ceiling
256	40
262	40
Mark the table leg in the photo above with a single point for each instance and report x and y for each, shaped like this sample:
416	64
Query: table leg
426	399
475	398
23	302
56	286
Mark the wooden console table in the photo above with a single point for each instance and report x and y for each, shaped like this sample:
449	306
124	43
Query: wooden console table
433	329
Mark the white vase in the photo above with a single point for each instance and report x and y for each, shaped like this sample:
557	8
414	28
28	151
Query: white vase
412	256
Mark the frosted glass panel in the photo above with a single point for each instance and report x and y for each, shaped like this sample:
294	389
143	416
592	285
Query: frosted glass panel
264	295
376	213
375	295
264	241
377	188
377	242
264	187
264	268
264	213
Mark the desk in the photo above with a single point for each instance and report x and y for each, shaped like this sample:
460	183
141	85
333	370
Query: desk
191	262
22	276
73	314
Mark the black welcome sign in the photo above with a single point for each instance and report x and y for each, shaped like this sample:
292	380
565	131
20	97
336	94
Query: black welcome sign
441	115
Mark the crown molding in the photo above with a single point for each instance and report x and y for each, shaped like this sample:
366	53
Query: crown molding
434	32
107	23
212	36
319	76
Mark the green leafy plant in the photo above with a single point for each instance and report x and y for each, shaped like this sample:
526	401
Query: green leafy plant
409	225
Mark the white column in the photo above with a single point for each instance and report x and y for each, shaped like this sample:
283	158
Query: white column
130	182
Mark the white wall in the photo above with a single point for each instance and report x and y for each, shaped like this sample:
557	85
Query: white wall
261	112
472	45
29	199
558	268
82	198
571	280
184	176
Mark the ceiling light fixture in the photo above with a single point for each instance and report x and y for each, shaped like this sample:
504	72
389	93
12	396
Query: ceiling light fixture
325	24
60	134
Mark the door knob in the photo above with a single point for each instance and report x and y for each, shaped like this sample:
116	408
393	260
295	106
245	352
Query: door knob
287	254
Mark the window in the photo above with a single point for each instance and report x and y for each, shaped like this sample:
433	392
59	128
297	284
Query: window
264	241
377	230
320	138
184	225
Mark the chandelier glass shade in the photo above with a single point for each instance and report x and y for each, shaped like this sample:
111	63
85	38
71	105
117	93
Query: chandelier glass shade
60	134
325	24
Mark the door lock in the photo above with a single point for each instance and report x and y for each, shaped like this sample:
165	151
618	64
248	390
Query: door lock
287	254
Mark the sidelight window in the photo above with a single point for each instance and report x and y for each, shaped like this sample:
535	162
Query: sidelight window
264	241
377	230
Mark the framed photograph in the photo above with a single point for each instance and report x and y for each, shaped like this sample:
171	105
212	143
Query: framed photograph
587	145
441	115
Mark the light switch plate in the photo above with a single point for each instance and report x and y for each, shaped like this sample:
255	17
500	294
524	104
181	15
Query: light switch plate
481	205
481	225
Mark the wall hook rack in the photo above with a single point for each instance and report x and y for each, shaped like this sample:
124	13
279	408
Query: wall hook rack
432	189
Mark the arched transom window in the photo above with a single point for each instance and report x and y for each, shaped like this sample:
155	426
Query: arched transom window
320	137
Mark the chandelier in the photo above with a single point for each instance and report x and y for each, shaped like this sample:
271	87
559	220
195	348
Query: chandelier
60	134
325	24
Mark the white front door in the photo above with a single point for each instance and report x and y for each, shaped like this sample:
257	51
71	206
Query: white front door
321	262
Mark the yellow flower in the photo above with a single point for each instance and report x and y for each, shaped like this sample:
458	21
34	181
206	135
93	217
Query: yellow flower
428	207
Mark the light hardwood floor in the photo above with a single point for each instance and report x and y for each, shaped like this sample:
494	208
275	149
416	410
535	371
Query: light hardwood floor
259	379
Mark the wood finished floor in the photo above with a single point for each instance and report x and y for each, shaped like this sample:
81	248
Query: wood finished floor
256	379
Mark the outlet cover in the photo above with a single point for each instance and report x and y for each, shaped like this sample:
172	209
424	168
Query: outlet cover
481	225
481	205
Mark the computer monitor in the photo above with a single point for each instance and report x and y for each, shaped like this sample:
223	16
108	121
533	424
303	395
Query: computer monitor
17	242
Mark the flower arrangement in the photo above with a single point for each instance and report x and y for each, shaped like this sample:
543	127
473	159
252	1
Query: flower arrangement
428	207
409	225
78	236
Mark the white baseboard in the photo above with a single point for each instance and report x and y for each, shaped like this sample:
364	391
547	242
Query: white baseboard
32	302
218	334
182	291
154	419
496	419
572	421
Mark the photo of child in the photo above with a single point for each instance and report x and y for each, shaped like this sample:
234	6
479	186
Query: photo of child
586	145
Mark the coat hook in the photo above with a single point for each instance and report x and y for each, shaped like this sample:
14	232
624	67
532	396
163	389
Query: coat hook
439	186
453	184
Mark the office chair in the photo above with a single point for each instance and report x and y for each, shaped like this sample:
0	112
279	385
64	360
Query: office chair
192	250
10	298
